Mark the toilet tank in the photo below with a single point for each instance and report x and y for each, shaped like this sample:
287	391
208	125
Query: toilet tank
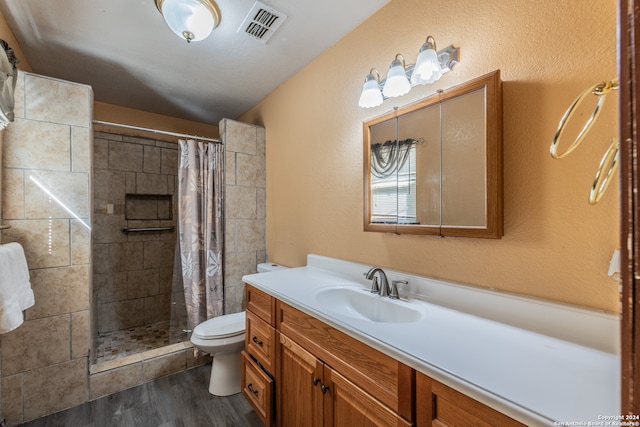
265	267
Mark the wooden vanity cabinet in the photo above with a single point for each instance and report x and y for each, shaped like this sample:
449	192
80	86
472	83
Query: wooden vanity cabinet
439	405
259	356
299	371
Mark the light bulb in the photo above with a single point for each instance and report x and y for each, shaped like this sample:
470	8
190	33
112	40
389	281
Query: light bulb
397	83
371	95
427	68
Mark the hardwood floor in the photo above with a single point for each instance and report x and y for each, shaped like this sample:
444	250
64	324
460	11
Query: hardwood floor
180	400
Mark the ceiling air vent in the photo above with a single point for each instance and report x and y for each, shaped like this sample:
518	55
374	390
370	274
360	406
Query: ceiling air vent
261	22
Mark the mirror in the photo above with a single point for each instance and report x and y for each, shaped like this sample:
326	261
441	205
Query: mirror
435	167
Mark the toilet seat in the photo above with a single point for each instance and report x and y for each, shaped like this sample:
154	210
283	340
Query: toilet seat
229	325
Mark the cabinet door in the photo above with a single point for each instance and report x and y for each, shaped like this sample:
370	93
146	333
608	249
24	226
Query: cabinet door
440	406
347	405
299	382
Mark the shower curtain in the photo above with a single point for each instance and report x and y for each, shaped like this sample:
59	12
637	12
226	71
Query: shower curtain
200	182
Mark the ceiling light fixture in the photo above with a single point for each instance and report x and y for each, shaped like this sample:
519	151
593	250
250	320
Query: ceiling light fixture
429	67
192	20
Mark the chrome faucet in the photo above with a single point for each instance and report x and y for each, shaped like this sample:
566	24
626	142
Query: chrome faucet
383	288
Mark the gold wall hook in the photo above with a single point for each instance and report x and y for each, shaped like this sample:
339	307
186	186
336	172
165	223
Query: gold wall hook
605	87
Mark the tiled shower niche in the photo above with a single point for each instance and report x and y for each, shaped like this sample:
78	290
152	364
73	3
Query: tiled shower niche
148	207
134	190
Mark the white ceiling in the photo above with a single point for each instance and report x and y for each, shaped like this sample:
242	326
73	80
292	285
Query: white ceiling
126	52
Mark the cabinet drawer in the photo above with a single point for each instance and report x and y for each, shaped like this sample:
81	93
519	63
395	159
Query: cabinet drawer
260	342
260	303
257	387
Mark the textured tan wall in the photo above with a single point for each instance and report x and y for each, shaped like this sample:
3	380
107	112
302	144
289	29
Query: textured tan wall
556	245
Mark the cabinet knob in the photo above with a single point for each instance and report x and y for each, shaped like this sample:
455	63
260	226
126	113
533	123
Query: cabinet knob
250	387
256	340
316	380
324	388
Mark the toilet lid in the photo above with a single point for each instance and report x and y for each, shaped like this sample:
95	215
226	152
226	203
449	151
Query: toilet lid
225	326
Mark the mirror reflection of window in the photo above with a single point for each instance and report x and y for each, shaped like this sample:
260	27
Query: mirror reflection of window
393	197
383	191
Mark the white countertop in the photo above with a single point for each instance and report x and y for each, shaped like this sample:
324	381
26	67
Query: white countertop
532	377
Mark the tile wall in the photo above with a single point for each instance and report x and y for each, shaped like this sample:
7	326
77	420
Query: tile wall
132	273
46	201
245	206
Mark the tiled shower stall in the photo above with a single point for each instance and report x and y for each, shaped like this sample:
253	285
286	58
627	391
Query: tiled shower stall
134	182
45	364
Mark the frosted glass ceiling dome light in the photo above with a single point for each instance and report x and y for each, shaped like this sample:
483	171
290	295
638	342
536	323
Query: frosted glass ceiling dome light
427	68
397	83
192	20
371	95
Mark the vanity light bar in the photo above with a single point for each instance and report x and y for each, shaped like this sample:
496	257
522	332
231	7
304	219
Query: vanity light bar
373	90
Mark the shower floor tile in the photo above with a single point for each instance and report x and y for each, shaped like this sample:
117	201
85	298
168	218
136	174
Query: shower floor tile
116	344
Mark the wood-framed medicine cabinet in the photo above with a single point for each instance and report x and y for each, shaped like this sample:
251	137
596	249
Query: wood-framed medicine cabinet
435	167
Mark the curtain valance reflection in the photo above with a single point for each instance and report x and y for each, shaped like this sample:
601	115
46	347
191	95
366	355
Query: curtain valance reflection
387	158
8	78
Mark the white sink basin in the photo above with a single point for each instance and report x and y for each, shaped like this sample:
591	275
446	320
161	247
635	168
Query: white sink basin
358	303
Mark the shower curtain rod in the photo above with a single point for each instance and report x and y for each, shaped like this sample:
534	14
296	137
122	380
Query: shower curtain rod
163	132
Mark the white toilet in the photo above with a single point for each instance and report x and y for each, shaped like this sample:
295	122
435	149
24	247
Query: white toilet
223	338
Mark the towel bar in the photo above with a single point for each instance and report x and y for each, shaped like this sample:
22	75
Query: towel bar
4	227
135	230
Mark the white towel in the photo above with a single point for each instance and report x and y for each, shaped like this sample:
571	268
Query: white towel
16	294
